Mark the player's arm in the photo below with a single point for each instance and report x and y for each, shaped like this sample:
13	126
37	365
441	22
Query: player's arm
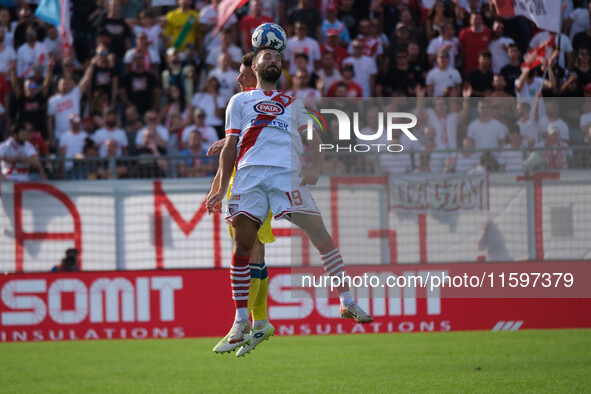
311	173
227	161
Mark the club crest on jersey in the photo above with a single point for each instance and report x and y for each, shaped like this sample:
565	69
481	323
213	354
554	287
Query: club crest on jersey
269	107
232	208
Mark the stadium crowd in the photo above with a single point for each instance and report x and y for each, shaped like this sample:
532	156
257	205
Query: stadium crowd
149	79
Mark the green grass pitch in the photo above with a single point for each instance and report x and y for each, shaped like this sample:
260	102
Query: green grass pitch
488	362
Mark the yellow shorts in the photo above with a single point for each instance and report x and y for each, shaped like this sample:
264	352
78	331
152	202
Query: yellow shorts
265	234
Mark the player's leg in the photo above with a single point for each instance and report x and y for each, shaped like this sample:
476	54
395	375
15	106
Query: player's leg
255	276
332	261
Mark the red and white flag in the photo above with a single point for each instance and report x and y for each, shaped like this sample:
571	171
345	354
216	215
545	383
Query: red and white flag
546	14
64	29
225	9
539	54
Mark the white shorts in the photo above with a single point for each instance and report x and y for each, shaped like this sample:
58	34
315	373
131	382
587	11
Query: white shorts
257	189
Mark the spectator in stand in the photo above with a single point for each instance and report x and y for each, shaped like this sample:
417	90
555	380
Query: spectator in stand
249	22
17	155
151	58
71	146
487	163
416	58
83	24
583	38
366	68
119	33
554	156
5	103
528	85
64	103
510	160
68	264
332	45
481	78
349	16
464	161
271	8
66	70
400	78
182	27
104	77
7	26
499	46
177	74
303	91
301	43
352	88
133	125
577	21
227	46
226	76
176	114
210	101
407	19
579	77
328	73
446	41
401	39
53	43
552	118
528	127
26	20
104	169
334	26
307	14
85	167
208	19
301	62
474	39
162	136
567	56
30	101
111	132
487	132
424	163
512	70
442	76
140	87
30	54
197	164
208	133
149	163
437	19
437	159
7	54
150	27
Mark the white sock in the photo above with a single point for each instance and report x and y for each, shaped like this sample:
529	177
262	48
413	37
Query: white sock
260	323
241	314
346	298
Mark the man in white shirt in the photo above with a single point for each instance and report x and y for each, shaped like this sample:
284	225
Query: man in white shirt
72	143
111	132
442	76
552	118
498	47
63	104
487	132
566	47
298	44
365	69
17	155
446	41
226	77
7	54
29	54
162	134
208	133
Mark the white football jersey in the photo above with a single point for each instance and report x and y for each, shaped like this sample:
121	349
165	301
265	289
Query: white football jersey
269	126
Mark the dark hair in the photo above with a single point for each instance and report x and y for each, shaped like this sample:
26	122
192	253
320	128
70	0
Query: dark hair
511	46
485	54
69	264
303	55
110	111
18	127
247	59
258	51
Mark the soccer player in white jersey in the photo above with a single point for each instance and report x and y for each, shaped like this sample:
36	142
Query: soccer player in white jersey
265	146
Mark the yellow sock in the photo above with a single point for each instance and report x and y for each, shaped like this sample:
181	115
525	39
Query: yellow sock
259	309
255	283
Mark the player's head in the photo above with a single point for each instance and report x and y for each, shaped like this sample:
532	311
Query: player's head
246	78
266	64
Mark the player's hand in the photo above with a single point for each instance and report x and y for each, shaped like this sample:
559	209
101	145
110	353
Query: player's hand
310	176
214	203
216	147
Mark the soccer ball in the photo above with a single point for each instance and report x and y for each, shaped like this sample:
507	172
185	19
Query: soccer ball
269	35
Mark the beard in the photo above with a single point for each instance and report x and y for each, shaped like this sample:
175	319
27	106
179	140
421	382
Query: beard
270	73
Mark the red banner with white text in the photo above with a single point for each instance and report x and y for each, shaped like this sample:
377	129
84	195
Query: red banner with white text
197	303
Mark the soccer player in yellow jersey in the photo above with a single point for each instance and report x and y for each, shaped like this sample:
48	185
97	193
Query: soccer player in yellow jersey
182	26
259	278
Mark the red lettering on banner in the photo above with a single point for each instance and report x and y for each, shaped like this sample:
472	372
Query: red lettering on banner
160	198
21	236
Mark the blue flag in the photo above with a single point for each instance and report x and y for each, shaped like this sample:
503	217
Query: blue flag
49	11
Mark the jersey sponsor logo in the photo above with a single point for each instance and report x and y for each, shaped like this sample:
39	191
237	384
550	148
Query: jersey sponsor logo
269	107
235	197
